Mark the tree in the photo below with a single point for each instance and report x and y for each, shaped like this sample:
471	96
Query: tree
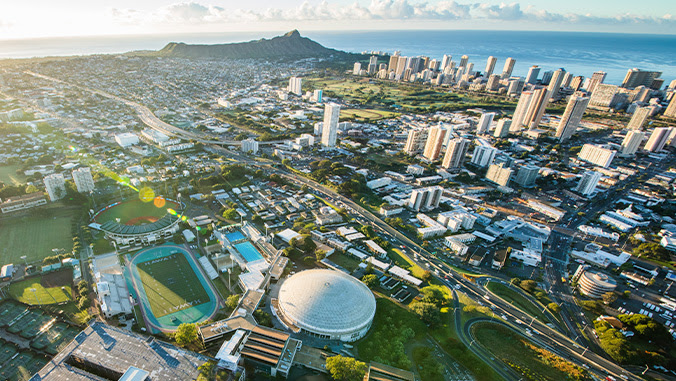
345	368
263	318
528	285
232	301
554	307
652	250
433	295
186	335
320	254
230	214
426	276
370	280
427	312
83	302
626	294
609	297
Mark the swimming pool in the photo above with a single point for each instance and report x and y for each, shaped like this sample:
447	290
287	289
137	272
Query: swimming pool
248	251
235	236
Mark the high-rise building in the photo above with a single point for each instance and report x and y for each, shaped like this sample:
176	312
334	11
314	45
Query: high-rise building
84	182
576	83
330	128
531	115
658	139
597	155
296	85
572	116
546	77
499	174
637	121
356	68
425	198
637	77
567	79
55	184
520	111
508	68
490	66
415	143
604	96
670	112
596	79
588	182
483	155
250	145
401	67
445	62
484	122
435	139
515	86
631	142
392	65
455	153
502	129
555	83
533	74
463	61
526	175
493	83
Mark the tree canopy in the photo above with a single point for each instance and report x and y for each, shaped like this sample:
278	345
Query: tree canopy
345	368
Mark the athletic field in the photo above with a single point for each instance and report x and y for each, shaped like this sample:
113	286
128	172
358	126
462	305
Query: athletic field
171	285
135	212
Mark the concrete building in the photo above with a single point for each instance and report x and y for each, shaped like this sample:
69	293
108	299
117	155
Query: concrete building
455	153
588	182
658	139
502	128
508	68
530	109
55	185
415	142
425	198
84	182
490	66
484	122
636	77
670	112
594	284
639	117
250	145
330	127
597	155
296	86
526	175
533	74
572	116
606	96
498	174
126	139
435	140
555	83
631	142
27	201
596	79
483	155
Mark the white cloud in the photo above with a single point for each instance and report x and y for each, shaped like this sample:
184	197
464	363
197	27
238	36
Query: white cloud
194	13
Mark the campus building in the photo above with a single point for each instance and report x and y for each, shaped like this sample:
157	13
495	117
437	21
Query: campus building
84	182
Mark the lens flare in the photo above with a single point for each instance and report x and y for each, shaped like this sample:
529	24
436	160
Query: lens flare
146	194
159	202
172	212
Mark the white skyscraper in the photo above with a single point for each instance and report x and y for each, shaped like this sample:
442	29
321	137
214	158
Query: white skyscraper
658	139
533	74
55	185
637	121
490	66
597	155
588	182
463	61
555	83
530	109
498	174
483	155
84	182
502	129
415	143
526	175
295	85
445	62
250	145
425	198
596	79
356	69
631	142
455	153
330	128
435	139
484	122
508	68
572	116
670	112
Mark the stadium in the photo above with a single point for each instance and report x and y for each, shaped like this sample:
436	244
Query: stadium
138	223
327	304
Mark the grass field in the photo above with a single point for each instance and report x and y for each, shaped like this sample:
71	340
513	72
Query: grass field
403	261
345	261
363	114
521	355
517	300
129	211
8	175
22	291
35	236
171	285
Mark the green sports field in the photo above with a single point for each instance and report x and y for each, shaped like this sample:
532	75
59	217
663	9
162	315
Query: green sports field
23	292
135	212
35	235
171	285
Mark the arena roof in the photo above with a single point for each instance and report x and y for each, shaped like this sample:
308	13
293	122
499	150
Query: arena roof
327	301
117	228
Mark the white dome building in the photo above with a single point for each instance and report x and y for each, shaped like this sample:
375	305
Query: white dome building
328	304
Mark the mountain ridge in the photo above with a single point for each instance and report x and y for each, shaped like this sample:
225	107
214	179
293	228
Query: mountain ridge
289	45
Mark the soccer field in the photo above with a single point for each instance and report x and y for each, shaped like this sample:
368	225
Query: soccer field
135	212
32	292
171	285
35	236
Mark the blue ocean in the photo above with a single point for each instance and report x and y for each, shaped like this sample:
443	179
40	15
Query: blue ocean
577	52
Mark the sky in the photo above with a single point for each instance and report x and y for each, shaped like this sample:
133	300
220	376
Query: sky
50	18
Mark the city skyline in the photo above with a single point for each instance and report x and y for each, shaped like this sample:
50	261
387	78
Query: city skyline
80	18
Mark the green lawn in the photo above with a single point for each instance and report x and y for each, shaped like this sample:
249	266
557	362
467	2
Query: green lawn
8	175
345	261
131	212
36	235
404	262
362	114
517	300
23	292
532	362
171	285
